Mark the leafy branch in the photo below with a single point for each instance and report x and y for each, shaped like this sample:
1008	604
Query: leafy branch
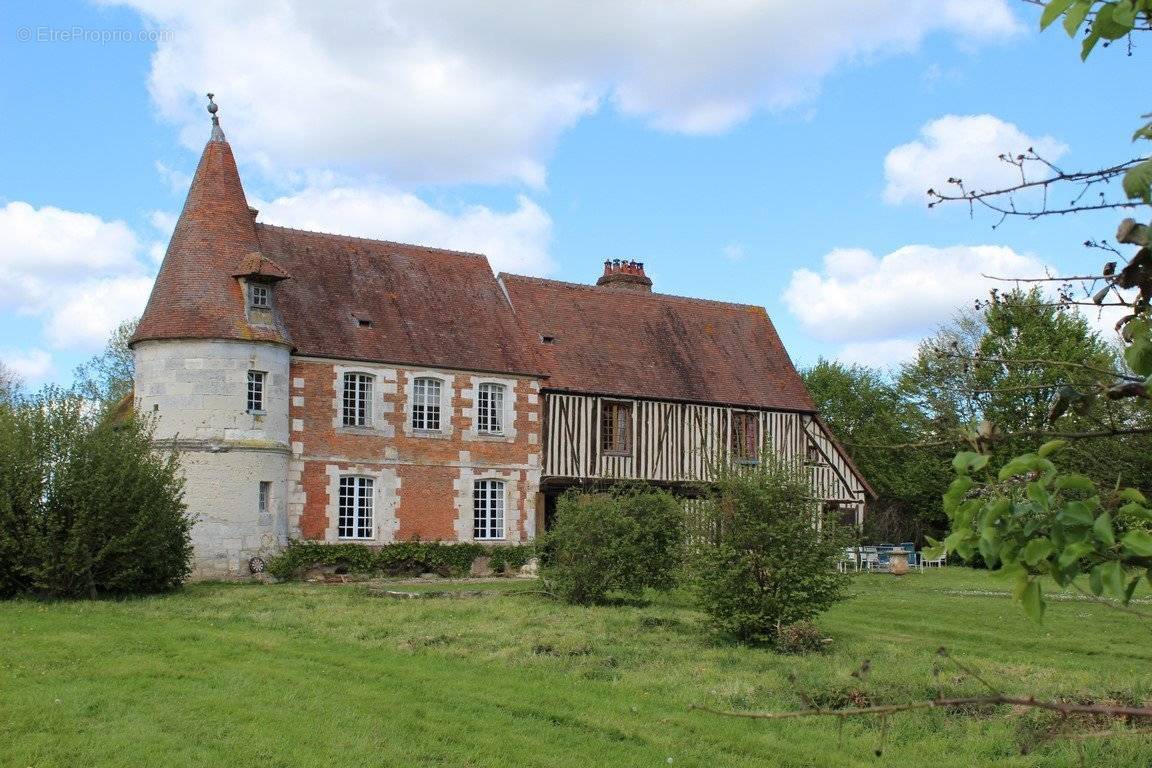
1031	520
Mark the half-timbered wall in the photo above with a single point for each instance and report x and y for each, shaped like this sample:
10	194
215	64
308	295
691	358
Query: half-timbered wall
681	442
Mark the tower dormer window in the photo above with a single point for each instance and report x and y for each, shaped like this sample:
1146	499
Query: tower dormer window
259	296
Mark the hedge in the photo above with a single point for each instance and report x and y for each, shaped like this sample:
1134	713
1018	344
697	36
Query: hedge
408	558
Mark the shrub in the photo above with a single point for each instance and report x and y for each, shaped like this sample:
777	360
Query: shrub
88	507
764	563
801	637
619	542
406	558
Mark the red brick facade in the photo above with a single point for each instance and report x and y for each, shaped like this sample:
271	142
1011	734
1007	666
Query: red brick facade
424	479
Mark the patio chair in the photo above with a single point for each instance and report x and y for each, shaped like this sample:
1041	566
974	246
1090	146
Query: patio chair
870	558
849	559
937	562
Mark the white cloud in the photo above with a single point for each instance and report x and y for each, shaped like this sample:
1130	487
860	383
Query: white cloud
877	308
31	365
164	223
466	91
177	181
86	314
515	241
78	271
963	146
81	276
878	354
733	252
42	248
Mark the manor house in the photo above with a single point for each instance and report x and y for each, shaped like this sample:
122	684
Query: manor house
336	388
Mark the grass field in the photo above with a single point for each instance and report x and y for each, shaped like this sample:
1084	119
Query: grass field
310	675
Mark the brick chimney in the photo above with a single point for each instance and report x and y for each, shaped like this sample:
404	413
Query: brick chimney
625	274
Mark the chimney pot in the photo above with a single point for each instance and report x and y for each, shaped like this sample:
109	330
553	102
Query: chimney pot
627	274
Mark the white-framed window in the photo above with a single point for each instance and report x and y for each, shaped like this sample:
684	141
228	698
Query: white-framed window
355	512
259	296
490	409
426	403
256	391
488	509
357	400
264	498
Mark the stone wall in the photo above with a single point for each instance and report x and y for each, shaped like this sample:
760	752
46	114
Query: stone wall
197	390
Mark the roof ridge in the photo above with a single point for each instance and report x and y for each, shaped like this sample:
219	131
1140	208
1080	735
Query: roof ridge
372	240
638	294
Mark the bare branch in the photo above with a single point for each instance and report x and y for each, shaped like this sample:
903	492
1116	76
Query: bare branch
1069	279
1031	434
1003	200
1040	361
1066	708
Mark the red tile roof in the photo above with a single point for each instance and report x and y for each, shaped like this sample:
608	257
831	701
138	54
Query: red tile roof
426	306
195	295
351	298
616	341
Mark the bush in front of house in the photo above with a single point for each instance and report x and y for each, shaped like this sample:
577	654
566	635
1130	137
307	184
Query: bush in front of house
613	544
405	558
765	563
88	507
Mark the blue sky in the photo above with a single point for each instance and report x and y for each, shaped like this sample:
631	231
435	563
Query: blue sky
744	152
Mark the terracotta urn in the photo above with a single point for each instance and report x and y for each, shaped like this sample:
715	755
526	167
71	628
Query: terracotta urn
898	563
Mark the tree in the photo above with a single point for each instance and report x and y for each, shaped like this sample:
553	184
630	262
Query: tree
1032	518
1016	367
937	382
107	378
1102	22
88	506
768	561
868	414
10	383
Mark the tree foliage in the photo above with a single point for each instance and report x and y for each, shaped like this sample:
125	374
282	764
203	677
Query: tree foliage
1031	519
766	562
10	383
88	507
107	378
1017	367
613	544
869	413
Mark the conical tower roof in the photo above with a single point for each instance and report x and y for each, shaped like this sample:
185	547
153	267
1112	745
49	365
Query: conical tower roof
197	294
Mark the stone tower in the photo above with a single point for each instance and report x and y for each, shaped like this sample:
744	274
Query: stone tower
212	367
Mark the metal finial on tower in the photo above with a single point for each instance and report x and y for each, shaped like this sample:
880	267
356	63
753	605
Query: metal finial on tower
217	132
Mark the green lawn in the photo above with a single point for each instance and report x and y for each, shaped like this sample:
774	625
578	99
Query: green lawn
311	675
